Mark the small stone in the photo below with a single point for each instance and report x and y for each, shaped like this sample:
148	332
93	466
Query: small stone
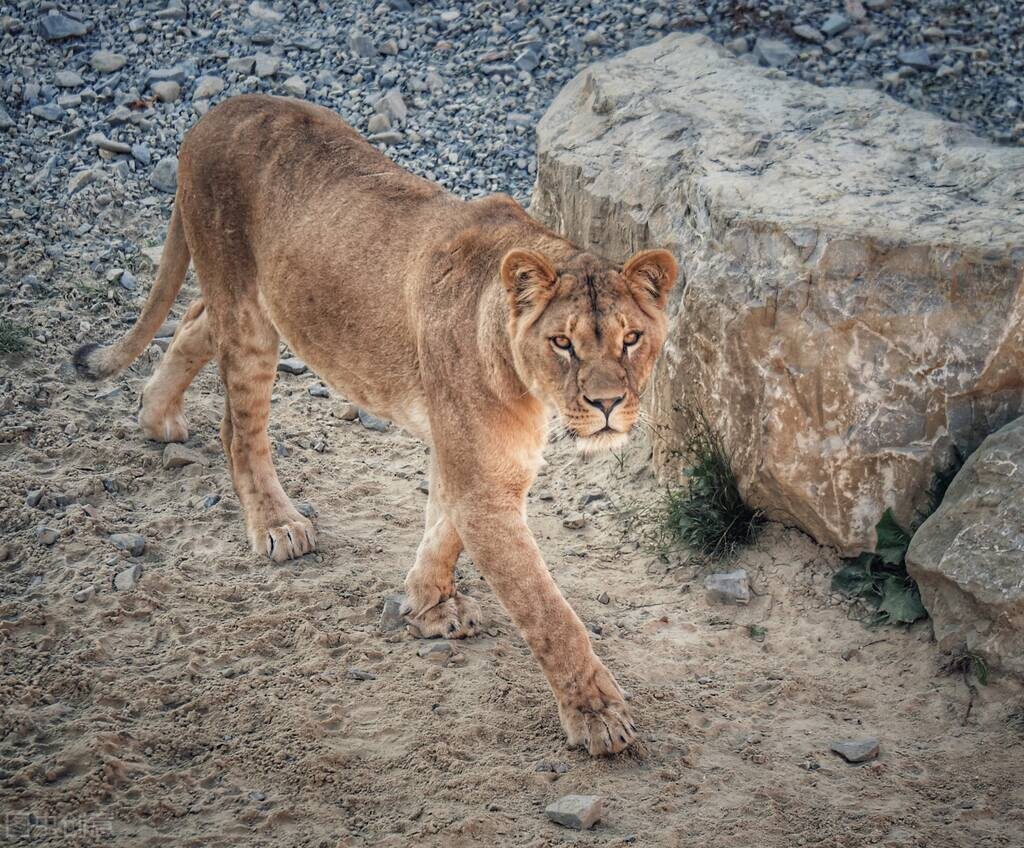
738	46
548	766
361	45
603	598
207	87
423	486
306	509
388	138
292	365
390	615
436	652
918	58
835	24
347	412
55	26
389	48
589	497
106	61
104	143
141	154
67	79
732	587
580	812
808	33
574	522
593	38
82	595
266	65
393	106
178	456
242	64
372	422
166	91
5	553
378	124
354	673
773	53
856	750
295	86
165	175
48	112
133	543
211	501
33	497
319	390
46	535
6	121
264	13
128	578
127	281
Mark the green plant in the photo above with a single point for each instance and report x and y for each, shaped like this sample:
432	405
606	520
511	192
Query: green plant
964	661
13	337
708	515
881	580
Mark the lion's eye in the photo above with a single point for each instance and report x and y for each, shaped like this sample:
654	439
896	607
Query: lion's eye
631	338
562	342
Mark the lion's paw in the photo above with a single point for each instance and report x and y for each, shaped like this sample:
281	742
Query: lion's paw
457	617
595	715
284	540
167	425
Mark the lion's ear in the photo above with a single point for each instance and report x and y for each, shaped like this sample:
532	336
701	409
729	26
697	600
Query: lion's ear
652	273
528	277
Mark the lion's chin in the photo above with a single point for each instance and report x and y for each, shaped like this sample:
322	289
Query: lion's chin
602	442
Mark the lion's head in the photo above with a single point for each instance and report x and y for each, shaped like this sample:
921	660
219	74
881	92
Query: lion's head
586	334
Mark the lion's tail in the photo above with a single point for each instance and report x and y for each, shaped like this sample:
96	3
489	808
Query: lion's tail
95	362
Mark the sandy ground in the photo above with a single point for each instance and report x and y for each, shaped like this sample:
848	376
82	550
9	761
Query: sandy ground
213	704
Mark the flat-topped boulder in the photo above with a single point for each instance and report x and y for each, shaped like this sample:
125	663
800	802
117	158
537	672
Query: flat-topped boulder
852	306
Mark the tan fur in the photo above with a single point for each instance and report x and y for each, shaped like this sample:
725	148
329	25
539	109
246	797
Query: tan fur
443	315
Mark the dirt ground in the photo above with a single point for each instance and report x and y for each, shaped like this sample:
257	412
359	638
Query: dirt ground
214	704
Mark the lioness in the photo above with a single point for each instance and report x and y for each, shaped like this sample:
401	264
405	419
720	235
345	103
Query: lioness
463	322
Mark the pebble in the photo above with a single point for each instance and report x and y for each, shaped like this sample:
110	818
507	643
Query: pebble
46	535
55	26
372	422
773	53
265	13
207	87
106	61
129	578
808	33
436	652
166	91
732	587
82	595
603	598
165	175
392	106
580	812
48	112
295	86
856	750
423	486
574	522
211	501
360	44
835	24
319	390
347	412
104	143
178	456
266	65
133	543
67	79
378	124
919	59
354	673
390	615
589	497
292	365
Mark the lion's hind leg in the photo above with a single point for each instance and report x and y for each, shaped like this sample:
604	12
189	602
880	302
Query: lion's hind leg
162	416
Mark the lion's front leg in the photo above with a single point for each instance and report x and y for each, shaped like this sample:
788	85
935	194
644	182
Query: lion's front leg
433	606
591	706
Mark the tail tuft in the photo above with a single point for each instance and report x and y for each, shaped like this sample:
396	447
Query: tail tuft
88	362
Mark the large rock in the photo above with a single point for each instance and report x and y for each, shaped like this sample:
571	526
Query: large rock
968	557
852	307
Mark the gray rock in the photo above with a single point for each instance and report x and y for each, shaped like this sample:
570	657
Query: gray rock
67	79
319	390
390	614
575	522
34	497
292	365
387	138
371	422
729	587
808	33
423	486
6	121
133	543
835	24
178	456
354	673
265	13
207	87
104	143
347	412
266	65
141	154
127	281
166	91
128	578
604	599
392	106
165	175
378	124
856	750
80	180
589	496
48	112
83	595
738	45
360	44
106	61
294	86
581	812
773	53
210	501
918	58
775	349
47	535
55	26
175	73
242	64
968	556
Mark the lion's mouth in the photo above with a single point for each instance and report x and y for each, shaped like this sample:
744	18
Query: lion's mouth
605	439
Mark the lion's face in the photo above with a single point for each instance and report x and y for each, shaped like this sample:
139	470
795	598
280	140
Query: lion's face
585	336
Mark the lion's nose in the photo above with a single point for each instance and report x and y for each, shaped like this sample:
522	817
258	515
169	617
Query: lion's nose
606	405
